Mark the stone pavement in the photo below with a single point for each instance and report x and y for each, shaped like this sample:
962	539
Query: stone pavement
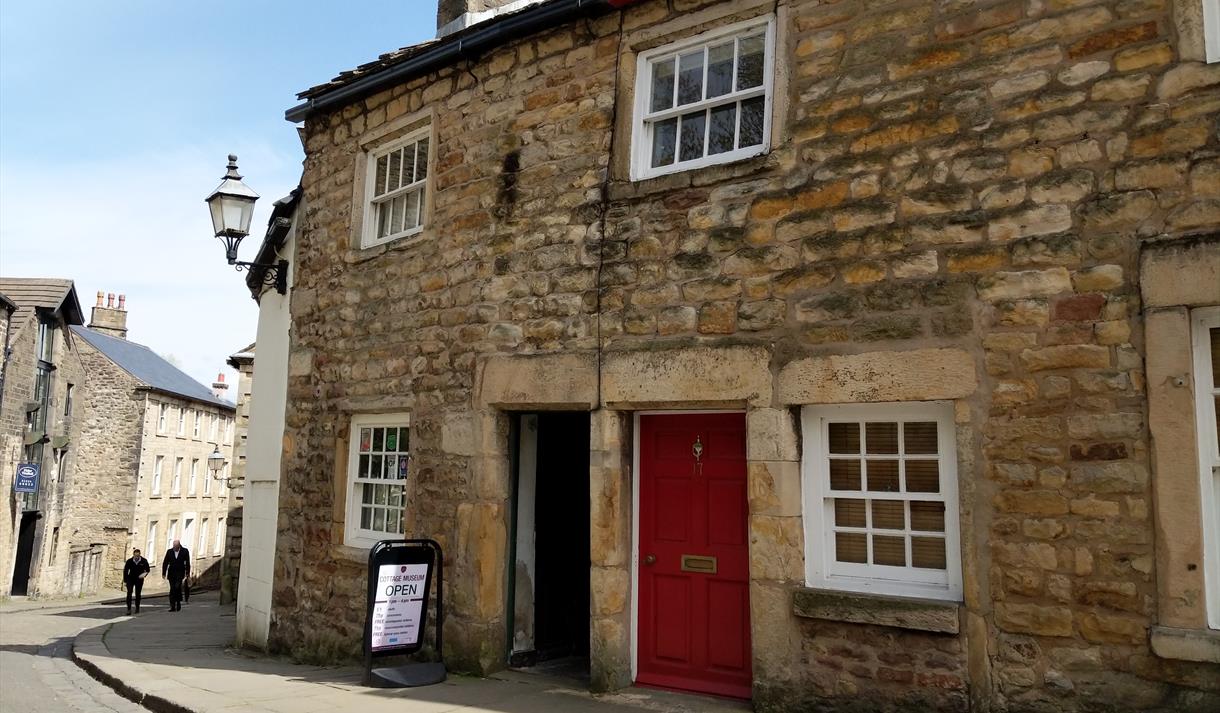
177	662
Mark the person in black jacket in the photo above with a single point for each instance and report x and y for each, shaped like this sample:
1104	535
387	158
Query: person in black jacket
176	567
134	571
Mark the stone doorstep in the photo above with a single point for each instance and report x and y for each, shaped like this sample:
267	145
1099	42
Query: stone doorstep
1186	644
878	610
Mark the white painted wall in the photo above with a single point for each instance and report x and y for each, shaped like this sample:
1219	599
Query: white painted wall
264	446
523	581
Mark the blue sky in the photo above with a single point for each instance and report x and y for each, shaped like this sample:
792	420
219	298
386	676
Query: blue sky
115	120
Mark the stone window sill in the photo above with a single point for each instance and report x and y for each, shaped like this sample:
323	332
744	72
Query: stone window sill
878	610
351	554
1186	644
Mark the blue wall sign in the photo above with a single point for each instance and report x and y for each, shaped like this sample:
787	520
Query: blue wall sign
27	478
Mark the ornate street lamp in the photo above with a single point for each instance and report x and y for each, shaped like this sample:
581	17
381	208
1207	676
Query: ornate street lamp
232	207
216	463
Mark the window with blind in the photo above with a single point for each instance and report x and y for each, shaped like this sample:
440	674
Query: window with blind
379	454
396	189
880	489
1205	325
705	100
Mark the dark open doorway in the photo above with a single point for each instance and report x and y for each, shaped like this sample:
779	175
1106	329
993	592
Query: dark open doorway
25	553
550	595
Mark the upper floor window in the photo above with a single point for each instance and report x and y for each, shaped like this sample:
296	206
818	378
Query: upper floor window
68	404
198	423
1206	342
162	417
395	189
880	490
158	469
46	341
181	422
704	101
212	427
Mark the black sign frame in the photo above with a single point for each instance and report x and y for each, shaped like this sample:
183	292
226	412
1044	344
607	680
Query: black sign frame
406	552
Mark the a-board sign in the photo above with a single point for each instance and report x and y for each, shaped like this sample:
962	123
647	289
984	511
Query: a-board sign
27	478
400	578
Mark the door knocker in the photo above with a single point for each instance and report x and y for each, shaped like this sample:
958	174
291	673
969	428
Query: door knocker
697	450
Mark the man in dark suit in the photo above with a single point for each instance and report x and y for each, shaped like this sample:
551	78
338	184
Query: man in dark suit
134	571
176	567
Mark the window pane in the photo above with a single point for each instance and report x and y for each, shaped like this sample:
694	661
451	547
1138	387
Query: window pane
408	164
919	437
751	133
721	136
412	207
927	516
395	171
383	219
377	467
391	466
883	476
366	518
379	181
844	438
379	519
1214	334
693	126
391	439
363	470
889	550
720	70
392	521
664	141
662	85
881	437
851	547
750	62
923	476
844	474
402	467
690	77
395	495
421	160
366	494
889	514
849	513
928	552
399	216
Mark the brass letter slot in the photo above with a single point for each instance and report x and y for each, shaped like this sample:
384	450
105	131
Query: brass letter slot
699	563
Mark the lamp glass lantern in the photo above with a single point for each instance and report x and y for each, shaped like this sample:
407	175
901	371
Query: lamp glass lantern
216	462
232	208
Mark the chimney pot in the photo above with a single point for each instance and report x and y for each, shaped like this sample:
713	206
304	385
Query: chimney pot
110	300
100	296
122	303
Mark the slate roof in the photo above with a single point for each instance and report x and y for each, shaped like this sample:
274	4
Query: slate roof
149	367
389	59
31	293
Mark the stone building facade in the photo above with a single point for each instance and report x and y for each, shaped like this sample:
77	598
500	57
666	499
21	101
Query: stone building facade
151	432
960	246
243	362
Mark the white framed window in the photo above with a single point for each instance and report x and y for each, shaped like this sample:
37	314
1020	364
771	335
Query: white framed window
201	552
378	458
1205	338
177	486
228	430
162	418
220	536
194	476
212	427
181	422
150	546
171	534
705	100
224	479
880	499
198	423
396	189
188	533
158	469
207	483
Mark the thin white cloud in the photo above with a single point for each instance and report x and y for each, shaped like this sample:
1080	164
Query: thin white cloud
137	225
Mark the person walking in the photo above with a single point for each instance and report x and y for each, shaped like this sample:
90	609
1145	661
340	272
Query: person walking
176	567
134	571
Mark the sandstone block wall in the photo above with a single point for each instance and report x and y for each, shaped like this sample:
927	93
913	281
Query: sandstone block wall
967	178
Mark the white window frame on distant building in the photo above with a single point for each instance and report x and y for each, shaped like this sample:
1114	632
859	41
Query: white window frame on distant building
177	483
386	194
194	476
823	567
207	483
158	471
188	530
181	421
228	429
203	539
197	425
651	116
220	536
212	428
390	500
1207	396
151	541
171	533
162	417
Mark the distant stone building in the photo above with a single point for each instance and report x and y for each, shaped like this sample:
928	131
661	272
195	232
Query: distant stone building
44	546
149	448
838	355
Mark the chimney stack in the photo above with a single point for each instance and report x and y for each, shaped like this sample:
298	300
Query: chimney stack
456	15
219	387
109	319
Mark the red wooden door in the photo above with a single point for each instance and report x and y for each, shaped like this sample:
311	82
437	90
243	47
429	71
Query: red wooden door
694	626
